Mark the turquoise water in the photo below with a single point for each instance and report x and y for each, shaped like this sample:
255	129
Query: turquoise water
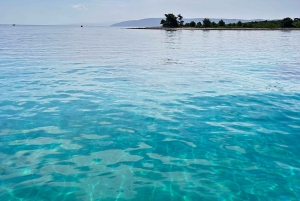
113	114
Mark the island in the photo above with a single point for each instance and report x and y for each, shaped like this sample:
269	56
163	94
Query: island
173	22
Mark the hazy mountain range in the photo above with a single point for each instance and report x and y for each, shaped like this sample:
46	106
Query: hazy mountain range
154	22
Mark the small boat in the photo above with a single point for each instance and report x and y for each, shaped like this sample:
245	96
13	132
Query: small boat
14	25
81	26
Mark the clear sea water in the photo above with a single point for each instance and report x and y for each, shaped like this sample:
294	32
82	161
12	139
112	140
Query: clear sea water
93	113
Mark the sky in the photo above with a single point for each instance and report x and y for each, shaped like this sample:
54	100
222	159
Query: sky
106	12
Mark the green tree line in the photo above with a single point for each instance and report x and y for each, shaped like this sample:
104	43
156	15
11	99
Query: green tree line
173	21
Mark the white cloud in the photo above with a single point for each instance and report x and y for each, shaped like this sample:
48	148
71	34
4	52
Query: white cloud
79	7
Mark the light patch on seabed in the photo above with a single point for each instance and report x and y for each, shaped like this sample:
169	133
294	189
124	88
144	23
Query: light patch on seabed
124	178
58	169
270	131
51	109
125	130
119	185
254	167
36	141
22	103
8	132
288	167
236	148
142	145
65	144
85	110
148	165
47	129
70	146
186	142
168	160
295	126
107	157
281	145
28	160
37	181
10	107
104	123
28	114
151	128
75	125
168	134
94	136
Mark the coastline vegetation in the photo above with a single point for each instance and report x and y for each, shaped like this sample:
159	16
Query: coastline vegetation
173	21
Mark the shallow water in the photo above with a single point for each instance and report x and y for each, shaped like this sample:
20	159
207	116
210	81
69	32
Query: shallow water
98	113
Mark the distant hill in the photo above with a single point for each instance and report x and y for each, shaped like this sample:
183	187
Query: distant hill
154	22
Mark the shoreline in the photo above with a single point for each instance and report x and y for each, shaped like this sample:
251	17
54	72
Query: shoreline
217	29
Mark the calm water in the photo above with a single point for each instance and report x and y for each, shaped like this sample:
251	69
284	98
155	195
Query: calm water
90	114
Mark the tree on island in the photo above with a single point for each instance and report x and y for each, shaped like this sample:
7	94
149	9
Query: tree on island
199	25
249	25
239	24
192	24
287	22
221	23
296	22
170	21
206	22
180	21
